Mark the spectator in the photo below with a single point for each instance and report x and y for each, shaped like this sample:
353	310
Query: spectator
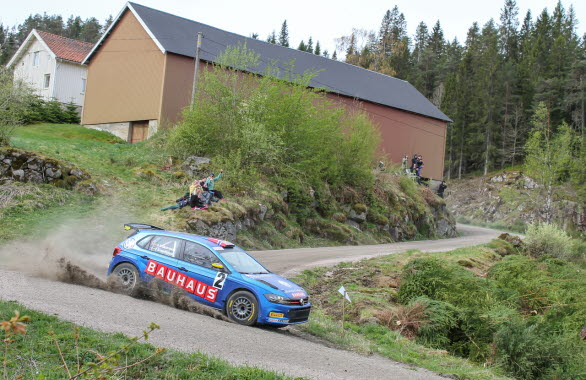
404	163
418	167
414	162
441	188
210	184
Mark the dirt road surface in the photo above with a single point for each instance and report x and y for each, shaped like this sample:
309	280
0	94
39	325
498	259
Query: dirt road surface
277	350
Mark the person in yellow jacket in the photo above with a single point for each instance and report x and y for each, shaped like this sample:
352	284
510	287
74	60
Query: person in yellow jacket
196	194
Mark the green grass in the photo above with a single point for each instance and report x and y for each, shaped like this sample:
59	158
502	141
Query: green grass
35	355
113	165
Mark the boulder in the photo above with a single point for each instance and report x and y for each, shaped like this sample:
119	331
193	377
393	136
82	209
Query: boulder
357	217
196	167
18	175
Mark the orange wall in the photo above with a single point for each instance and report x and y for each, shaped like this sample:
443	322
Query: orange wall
125	76
405	133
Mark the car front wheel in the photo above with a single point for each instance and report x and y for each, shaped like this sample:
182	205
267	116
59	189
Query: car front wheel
125	279
242	308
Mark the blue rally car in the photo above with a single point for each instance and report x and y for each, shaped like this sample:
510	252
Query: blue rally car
213	272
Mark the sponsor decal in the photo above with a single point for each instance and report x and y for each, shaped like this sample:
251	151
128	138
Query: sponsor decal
186	283
278	320
218	248
276	315
298	294
129	243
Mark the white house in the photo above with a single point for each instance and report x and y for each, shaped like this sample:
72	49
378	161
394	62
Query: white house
51	64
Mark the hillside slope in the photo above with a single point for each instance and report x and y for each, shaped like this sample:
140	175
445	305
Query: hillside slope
136	181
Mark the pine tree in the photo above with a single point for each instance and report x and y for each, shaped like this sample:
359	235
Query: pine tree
309	46
73	27
272	38
335	56
284	35
326	54
90	30
302	46
254	36
107	23
317	50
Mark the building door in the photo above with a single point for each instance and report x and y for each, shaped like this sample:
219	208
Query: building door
139	131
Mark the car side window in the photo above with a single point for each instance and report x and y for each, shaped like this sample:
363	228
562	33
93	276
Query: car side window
144	242
199	255
165	245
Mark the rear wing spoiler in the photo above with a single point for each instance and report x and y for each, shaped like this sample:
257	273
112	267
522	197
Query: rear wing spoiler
139	226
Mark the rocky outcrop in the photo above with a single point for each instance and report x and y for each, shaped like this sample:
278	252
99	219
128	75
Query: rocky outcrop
196	167
25	166
514	199
225	224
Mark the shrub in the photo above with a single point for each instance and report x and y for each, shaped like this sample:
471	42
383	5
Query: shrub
525	353
548	239
441	319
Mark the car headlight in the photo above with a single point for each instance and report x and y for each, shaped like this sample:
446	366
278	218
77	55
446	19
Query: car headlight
286	301
277	298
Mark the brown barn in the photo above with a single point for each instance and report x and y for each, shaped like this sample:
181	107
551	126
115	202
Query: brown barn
140	76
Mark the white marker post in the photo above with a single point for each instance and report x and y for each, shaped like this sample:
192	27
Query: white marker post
345	296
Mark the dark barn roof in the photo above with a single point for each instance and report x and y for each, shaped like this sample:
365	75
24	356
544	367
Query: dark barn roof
178	35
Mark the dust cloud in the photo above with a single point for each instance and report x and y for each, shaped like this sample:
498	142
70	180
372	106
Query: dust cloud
85	243
79	252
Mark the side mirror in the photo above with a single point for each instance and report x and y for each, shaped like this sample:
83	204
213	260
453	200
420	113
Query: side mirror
218	266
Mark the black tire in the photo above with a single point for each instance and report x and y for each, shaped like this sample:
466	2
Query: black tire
242	308
125	279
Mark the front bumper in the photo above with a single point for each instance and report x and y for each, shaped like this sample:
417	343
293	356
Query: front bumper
285	315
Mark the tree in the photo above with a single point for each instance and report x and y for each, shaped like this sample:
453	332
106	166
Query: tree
309	45
254	36
548	156
272	38
317	50
302	46
284	35
91	30
74	27
14	98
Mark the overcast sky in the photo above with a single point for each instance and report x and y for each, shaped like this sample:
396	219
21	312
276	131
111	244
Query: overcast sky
324	20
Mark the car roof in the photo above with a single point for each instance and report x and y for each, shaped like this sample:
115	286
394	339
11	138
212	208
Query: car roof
184	235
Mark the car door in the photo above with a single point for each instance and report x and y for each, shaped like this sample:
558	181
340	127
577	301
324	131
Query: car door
160	253
211	283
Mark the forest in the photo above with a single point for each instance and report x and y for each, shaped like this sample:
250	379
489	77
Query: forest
490	85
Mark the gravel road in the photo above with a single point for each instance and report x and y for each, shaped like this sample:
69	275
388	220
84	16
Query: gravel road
277	350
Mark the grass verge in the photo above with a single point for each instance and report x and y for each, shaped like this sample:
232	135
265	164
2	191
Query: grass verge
375	282
34	355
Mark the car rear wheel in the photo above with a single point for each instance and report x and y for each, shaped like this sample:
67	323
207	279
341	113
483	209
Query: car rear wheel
242	308
125	279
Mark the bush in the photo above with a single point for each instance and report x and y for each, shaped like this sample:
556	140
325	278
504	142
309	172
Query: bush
548	239
525	353
441	319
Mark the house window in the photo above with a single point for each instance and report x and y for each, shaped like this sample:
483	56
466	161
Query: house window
47	80
36	58
83	85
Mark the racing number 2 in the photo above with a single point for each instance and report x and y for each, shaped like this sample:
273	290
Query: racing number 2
219	280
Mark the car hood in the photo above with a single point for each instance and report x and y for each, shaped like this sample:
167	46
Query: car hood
275	281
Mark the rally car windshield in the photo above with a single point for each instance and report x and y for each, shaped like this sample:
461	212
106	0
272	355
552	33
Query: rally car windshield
242	262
